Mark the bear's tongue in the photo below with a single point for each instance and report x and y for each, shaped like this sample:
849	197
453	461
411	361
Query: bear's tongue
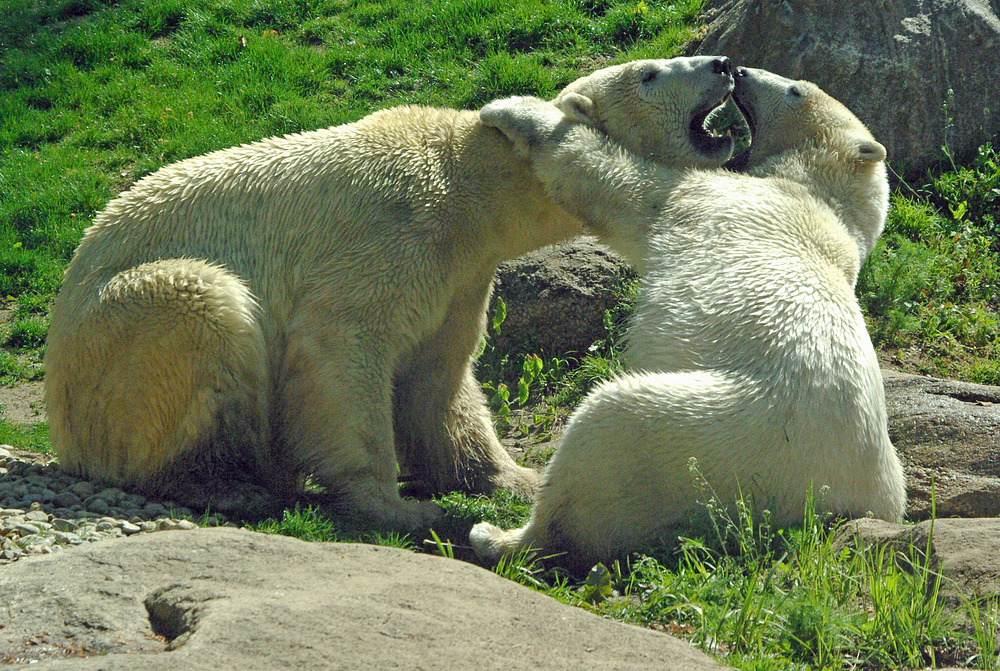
705	140
740	162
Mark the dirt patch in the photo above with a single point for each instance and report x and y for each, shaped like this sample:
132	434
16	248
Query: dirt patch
23	403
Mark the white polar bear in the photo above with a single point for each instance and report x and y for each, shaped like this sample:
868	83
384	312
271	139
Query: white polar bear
748	350
309	305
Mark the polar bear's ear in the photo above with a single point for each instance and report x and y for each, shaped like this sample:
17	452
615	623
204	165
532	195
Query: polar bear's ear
869	150
577	107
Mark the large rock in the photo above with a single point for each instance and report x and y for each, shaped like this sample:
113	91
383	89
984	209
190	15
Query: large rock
556	298
219	599
919	73
948	434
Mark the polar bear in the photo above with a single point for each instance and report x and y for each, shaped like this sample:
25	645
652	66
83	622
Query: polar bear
309	305
748	351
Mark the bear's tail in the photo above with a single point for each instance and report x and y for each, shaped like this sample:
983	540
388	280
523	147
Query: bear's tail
491	542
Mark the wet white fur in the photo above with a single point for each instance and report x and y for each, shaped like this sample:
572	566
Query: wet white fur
309	305
748	350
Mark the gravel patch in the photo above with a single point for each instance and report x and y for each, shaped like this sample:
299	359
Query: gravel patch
43	510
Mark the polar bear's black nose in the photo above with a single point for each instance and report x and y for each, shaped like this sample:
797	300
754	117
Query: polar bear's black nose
722	65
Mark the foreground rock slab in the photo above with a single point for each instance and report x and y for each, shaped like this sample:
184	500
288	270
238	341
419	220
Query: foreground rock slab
232	599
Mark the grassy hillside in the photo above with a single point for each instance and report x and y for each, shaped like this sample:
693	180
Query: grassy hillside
97	93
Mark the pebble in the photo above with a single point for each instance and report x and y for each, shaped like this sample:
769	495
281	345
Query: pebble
43	510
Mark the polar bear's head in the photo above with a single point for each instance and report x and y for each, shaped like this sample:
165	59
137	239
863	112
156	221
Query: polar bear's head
784	114
656	108
800	132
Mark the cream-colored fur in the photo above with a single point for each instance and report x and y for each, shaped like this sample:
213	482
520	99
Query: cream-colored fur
309	305
748	351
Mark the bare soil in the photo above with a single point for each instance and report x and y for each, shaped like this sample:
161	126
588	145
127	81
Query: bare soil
22	403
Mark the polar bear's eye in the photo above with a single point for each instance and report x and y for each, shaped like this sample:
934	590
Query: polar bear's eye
648	76
794	92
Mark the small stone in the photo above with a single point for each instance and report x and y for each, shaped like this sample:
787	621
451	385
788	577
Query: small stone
62	524
66	499
36	515
147	526
186	525
83	489
25	529
97	505
67	538
155	510
124	512
128	528
106	526
166	525
110	494
40	544
10	552
25	541
10	512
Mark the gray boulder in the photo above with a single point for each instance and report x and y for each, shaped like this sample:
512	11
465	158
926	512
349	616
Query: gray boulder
919	74
556	298
948	435
219	599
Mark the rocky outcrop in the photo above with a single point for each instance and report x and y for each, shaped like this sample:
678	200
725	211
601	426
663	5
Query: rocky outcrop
219	599
948	434
920	74
556	298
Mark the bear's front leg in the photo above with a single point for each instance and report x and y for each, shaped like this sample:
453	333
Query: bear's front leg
444	431
526	121
335	405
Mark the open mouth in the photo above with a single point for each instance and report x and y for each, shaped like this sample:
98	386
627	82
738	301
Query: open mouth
705	139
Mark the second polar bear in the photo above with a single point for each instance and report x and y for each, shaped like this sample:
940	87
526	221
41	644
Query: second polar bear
748	351
310	305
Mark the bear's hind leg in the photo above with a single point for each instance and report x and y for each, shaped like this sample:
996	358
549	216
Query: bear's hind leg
164	366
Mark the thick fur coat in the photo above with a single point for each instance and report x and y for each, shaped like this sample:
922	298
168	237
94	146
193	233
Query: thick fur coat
748	352
309	305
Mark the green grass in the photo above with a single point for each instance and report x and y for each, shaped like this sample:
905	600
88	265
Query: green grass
97	93
930	288
34	437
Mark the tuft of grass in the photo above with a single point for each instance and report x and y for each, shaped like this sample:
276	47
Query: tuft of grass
312	524
33	437
929	289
